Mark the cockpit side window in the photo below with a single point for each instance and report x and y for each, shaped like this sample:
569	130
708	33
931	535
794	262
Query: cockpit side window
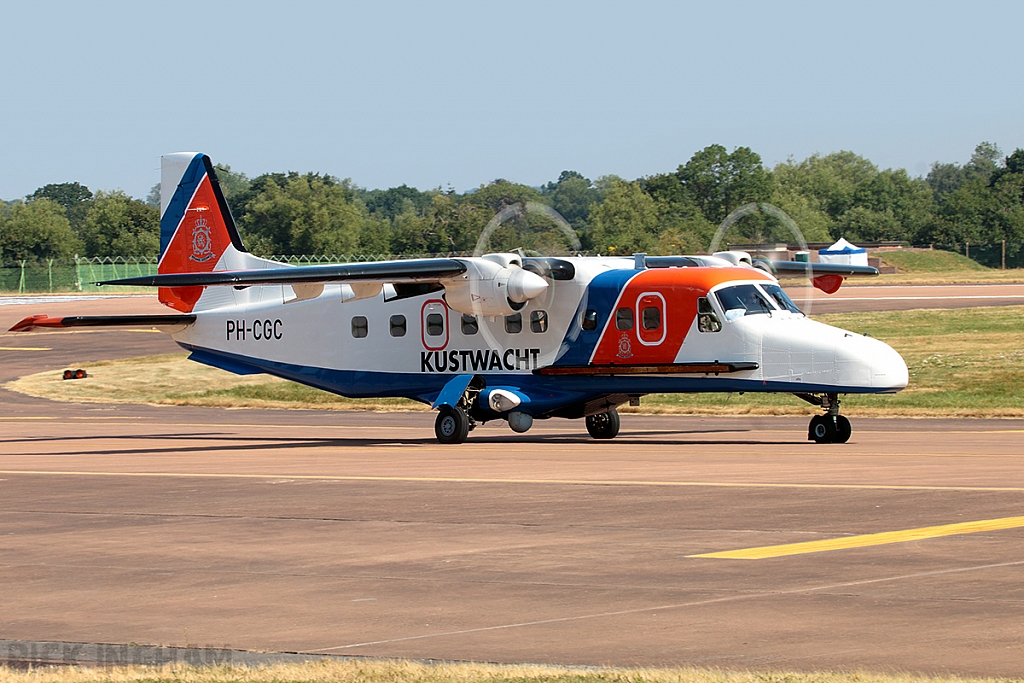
707	319
781	298
744	300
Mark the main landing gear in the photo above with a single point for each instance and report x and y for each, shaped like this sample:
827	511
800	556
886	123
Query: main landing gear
830	427
604	425
452	425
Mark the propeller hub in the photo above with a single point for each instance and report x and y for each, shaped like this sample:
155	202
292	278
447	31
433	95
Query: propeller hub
524	285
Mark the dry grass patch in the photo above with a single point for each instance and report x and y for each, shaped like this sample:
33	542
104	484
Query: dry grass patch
174	380
412	672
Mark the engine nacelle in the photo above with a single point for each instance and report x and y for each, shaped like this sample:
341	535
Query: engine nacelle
491	289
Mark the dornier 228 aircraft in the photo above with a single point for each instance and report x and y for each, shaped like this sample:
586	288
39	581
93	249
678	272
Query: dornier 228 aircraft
500	336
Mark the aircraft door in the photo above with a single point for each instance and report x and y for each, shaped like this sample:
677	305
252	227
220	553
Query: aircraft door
651	323
434	325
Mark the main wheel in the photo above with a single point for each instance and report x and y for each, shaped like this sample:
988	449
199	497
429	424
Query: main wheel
603	425
451	425
822	429
843	430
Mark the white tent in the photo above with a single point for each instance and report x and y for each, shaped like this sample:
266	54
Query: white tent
844	252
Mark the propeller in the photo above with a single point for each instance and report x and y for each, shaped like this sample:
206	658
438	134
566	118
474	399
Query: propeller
767	209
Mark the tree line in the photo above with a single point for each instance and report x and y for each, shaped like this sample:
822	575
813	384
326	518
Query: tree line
828	196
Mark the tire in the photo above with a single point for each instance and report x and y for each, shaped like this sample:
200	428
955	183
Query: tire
843	430
451	425
604	425
821	430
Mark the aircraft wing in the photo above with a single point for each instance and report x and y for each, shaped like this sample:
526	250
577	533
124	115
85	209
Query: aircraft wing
411	271
802	269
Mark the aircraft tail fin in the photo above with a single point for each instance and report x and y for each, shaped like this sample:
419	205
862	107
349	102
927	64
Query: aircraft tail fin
197	232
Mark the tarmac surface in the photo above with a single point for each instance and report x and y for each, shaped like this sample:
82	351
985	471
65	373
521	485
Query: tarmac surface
358	534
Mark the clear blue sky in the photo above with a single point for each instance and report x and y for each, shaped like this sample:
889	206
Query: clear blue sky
460	93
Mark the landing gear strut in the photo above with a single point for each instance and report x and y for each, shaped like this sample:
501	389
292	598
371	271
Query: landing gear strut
830	427
603	425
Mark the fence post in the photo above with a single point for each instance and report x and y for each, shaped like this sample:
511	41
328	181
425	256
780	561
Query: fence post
1003	266
78	276
967	246
21	281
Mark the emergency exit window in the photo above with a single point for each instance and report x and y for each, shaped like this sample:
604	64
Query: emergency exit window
435	324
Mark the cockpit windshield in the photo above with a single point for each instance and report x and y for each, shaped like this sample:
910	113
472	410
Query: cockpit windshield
740	300
781	298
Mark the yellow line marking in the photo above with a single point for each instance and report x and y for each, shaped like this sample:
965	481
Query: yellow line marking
866	540
510	480
25	348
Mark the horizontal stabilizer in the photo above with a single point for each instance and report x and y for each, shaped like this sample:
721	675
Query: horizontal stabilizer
167	322
411	271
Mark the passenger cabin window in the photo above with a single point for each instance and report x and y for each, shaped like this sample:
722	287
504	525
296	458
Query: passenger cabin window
398	326
624	319
707	320
589	321
359	327
781	298
469	324
539	321
435	324
650	318
740	300
514	323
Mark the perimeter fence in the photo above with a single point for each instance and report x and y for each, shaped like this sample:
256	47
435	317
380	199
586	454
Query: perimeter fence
991	254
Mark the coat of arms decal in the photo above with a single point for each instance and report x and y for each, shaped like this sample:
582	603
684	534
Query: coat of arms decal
202	241
625	347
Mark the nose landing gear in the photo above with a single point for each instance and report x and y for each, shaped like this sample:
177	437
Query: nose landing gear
830	427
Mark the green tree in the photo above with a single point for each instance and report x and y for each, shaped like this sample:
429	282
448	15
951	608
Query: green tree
1005	215
117	225
36	231
626	221
718	182
309	214
574	197
393	201
828	182
945	179
74	197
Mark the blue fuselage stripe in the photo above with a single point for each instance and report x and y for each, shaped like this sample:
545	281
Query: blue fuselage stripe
547	394
169	222
600	296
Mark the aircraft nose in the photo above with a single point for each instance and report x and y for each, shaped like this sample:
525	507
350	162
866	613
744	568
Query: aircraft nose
524	285
888	369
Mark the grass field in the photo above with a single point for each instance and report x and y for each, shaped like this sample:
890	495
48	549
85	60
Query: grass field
963	362
925	266
412	672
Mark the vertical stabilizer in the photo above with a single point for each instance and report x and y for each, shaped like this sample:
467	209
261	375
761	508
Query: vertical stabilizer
197	231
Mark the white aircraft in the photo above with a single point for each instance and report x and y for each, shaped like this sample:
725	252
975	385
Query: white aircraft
502	336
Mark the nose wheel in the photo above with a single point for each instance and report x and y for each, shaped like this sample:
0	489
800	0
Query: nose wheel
830	427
